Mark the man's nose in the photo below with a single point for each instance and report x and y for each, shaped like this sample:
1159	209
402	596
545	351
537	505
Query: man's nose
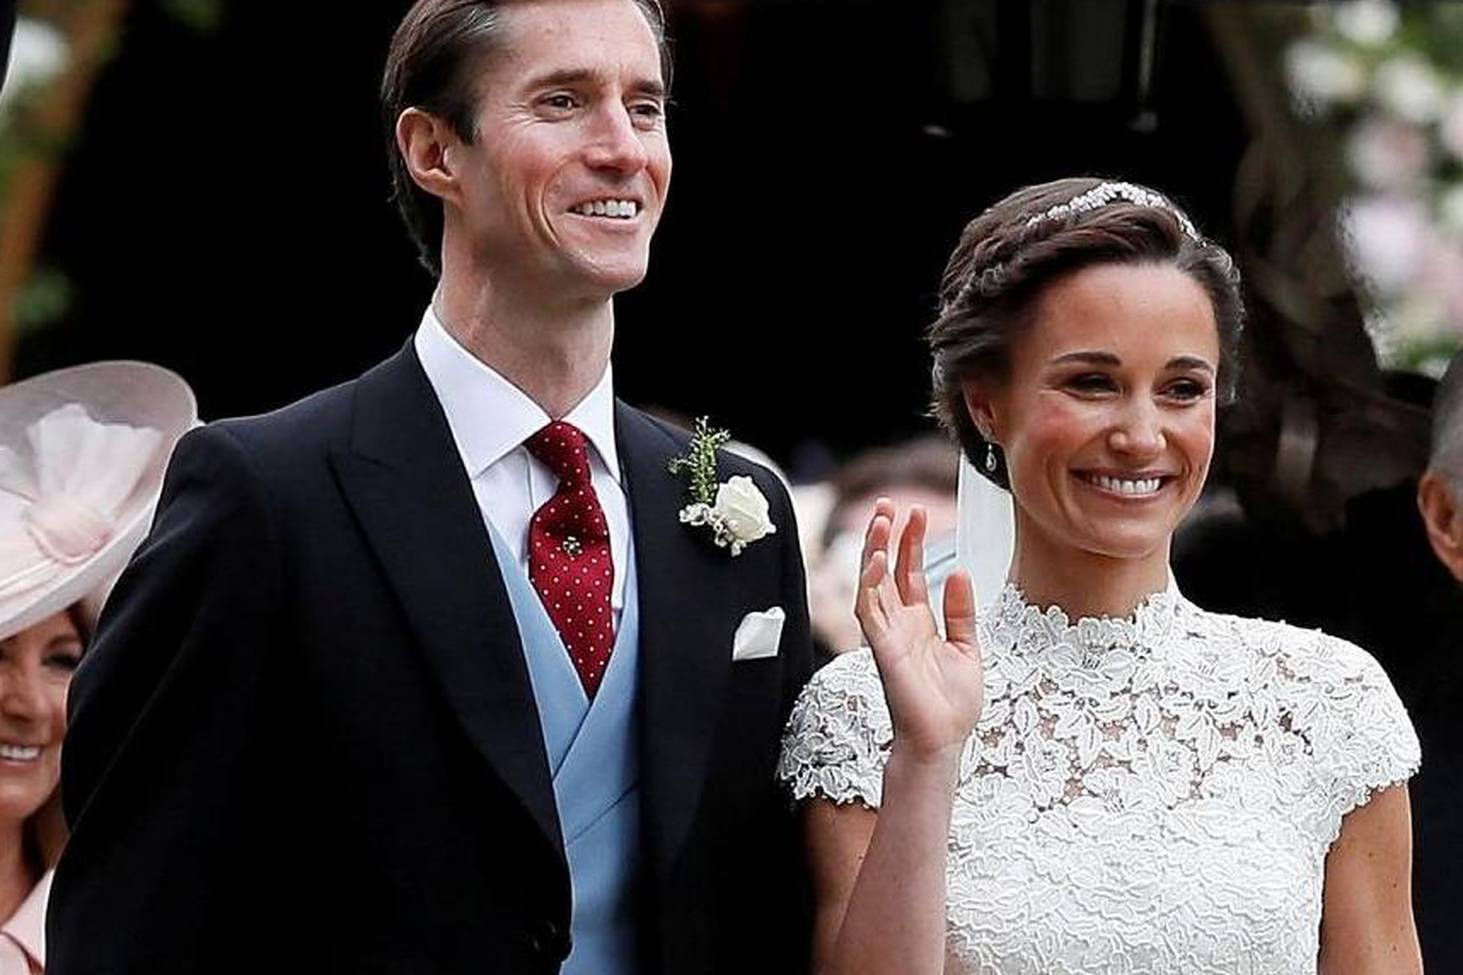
616	143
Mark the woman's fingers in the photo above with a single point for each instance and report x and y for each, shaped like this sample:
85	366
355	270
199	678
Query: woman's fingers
868	607
909	574
873	569
960	612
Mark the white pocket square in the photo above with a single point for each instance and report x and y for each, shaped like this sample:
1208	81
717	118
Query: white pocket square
758	634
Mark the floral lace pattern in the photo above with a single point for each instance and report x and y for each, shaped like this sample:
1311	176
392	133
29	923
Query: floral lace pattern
1155	794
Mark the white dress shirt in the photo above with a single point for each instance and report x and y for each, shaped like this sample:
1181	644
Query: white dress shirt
490	419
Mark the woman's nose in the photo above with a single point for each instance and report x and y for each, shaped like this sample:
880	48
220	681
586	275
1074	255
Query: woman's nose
1139	432
21	694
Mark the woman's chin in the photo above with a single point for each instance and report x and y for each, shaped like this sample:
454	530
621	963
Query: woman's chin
19	800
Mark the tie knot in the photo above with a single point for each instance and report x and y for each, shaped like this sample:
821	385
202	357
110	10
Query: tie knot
563	449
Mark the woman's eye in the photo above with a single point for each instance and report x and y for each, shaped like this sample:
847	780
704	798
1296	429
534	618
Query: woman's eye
1187	390
1092	382
67	660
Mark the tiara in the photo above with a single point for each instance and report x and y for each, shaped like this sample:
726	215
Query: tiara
1105	193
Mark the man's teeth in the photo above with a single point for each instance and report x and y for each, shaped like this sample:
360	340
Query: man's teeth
623	209
20	753
1142	485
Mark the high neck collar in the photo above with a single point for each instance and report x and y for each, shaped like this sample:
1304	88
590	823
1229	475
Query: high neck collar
1014	624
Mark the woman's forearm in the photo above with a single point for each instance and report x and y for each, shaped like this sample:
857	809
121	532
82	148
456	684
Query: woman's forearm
895	921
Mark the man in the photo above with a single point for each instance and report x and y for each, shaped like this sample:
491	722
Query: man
1437	628
425	673
1440	491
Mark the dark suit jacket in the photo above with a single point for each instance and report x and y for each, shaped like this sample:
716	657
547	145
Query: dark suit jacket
304	738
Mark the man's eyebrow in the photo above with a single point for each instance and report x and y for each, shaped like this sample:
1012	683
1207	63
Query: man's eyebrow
579	76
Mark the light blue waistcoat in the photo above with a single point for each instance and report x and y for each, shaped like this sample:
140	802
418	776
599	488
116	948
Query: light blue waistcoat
593	759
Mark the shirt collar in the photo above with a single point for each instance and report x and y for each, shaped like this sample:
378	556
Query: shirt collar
27	926
471	391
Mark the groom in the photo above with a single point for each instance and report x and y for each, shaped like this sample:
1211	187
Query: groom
424	674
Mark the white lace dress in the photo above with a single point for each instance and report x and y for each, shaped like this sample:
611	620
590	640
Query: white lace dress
1155	794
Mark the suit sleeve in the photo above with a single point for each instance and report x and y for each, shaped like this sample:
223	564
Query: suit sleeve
797	633
158	783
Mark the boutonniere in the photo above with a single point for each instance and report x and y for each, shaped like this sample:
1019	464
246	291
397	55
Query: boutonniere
735	510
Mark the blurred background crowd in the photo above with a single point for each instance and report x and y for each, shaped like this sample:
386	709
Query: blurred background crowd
202	184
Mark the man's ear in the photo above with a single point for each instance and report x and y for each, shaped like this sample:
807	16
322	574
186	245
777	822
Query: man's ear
1442	515
424	141
982	410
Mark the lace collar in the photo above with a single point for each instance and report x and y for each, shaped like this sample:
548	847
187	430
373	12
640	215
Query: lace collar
1013	624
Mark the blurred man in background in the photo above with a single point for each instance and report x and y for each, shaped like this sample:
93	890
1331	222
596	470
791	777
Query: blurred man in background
1440	491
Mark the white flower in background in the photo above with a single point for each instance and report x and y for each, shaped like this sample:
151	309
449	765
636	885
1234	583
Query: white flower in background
1408	86
1450	129
1320	74
1366	22
1386	238
38	53
1387	154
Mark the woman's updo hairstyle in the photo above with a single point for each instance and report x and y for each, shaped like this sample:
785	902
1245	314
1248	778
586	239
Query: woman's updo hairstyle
1032	238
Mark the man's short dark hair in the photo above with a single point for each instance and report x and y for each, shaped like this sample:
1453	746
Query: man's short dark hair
436	57
1446	456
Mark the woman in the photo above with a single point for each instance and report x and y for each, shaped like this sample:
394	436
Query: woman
82	454
1092	774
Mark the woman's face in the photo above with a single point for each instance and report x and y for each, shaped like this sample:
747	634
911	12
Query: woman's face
1107	415
35	669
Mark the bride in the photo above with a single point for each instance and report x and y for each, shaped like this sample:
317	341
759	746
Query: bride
1091	774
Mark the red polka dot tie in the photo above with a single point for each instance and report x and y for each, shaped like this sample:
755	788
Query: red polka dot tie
569	561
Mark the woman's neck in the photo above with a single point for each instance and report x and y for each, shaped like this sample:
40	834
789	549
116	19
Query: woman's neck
1083	583
16	876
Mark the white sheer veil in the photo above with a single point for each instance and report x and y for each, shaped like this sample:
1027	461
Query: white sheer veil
985	535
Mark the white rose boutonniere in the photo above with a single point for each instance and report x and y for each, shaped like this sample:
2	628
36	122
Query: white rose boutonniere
735	510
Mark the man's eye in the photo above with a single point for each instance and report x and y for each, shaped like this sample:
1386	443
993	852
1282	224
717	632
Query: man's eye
562	102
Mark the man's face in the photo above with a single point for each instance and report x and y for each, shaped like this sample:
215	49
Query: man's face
564	184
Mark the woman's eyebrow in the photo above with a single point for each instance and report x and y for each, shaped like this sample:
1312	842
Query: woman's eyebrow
1089	357
1190	362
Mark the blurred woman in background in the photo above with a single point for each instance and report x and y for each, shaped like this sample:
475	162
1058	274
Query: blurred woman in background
82	456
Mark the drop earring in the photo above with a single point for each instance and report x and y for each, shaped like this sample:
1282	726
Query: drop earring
990	458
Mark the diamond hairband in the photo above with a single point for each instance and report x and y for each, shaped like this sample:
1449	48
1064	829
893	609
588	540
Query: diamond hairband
1099	196
1105	193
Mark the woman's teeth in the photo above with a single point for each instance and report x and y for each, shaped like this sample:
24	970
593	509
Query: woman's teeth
621	209
1121	485
20	753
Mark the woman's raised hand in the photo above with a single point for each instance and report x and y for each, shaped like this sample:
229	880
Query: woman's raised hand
934	686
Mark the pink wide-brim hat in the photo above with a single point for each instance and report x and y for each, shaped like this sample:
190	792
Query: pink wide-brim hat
82	456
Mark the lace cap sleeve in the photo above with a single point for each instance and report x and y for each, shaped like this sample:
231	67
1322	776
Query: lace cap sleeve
1361	737
837	739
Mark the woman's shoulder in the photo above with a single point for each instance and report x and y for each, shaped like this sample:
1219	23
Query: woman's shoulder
1299	653
838	735
1333	695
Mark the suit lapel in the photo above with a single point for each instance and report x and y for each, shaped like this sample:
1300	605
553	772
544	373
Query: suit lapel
404	480
683	668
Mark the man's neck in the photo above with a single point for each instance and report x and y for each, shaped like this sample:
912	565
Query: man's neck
555	353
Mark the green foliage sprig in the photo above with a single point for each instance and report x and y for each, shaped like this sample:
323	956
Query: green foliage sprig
700	461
